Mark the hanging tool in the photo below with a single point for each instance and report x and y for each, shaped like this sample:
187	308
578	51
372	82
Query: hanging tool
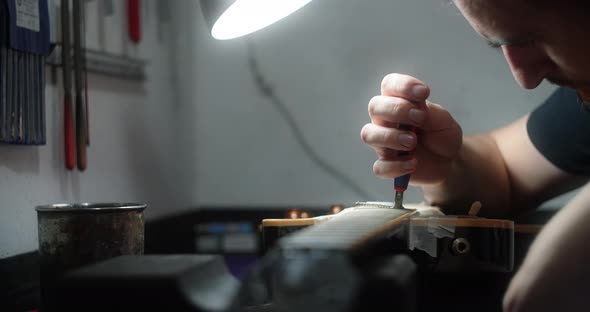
19	94
67	81
3	72
134	20
78	88
400	184
25	42
86	118
7	79
42	94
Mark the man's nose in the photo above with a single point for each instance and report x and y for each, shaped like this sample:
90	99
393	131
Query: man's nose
529	64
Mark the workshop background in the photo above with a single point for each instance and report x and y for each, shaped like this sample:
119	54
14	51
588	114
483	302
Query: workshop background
197	131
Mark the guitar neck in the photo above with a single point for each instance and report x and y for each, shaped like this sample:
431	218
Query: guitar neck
367	231
348	230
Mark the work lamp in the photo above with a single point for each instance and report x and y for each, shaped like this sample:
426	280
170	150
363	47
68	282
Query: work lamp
229	19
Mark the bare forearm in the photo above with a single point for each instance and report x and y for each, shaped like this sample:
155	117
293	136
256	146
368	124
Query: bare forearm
478	174
557	255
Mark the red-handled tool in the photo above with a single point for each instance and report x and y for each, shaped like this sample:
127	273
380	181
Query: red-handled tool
67	81
400	184
134	20
69	133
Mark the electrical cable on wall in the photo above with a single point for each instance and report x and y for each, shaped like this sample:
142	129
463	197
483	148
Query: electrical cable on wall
267	91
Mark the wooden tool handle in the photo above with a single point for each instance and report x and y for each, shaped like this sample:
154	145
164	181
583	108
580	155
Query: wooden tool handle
69	133
69	143
81	132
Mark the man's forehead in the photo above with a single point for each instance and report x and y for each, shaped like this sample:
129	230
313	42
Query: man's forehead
511	5
501	22
499	15
488	6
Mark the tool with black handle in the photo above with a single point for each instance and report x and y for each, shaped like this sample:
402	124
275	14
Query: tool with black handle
78	85
67	81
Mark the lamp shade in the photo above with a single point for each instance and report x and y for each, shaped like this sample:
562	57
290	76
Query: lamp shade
230	19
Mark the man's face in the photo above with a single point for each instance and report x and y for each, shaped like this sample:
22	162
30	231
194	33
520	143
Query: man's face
539	41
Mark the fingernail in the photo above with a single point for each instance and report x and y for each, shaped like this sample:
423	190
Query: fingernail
419	91
406	140
416	115
409	164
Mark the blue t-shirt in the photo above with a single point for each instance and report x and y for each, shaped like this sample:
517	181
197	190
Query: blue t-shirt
560	130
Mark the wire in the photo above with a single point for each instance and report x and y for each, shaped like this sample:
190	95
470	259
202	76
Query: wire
267	91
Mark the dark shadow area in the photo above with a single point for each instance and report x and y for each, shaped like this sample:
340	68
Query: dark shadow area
19	285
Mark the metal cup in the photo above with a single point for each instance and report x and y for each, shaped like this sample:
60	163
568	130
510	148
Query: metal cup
74	235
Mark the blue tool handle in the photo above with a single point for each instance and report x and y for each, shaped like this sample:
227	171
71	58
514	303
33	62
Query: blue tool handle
400	184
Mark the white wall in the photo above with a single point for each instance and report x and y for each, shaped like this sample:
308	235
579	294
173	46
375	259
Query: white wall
139	148
326	61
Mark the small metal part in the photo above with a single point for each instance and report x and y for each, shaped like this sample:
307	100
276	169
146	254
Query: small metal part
305	214
461	246
334	209
398	200
374	204
474	209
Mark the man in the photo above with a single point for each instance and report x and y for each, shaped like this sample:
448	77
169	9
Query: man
541	155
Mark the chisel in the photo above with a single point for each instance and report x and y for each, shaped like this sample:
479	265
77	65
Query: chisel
28	27
78	87
67	81
86	116
7	126
3	70
42	92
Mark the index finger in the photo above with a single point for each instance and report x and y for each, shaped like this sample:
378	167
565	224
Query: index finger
404	86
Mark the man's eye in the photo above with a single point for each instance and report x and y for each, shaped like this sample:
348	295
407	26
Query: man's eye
494	45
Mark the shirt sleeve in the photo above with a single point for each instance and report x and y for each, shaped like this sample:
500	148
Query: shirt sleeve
560	130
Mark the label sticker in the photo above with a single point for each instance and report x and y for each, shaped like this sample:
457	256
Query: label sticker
27	14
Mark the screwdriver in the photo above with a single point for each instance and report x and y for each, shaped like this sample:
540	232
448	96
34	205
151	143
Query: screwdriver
400	184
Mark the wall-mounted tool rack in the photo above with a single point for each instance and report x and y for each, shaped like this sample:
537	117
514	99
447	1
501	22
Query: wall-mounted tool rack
105	63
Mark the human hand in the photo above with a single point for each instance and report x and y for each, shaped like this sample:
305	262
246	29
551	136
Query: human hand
437	140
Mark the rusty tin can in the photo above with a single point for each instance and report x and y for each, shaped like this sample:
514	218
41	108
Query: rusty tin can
74	235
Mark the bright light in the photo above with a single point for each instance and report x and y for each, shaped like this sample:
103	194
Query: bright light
247	16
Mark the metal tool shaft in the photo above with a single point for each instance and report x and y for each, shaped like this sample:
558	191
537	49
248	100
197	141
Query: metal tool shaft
398	200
